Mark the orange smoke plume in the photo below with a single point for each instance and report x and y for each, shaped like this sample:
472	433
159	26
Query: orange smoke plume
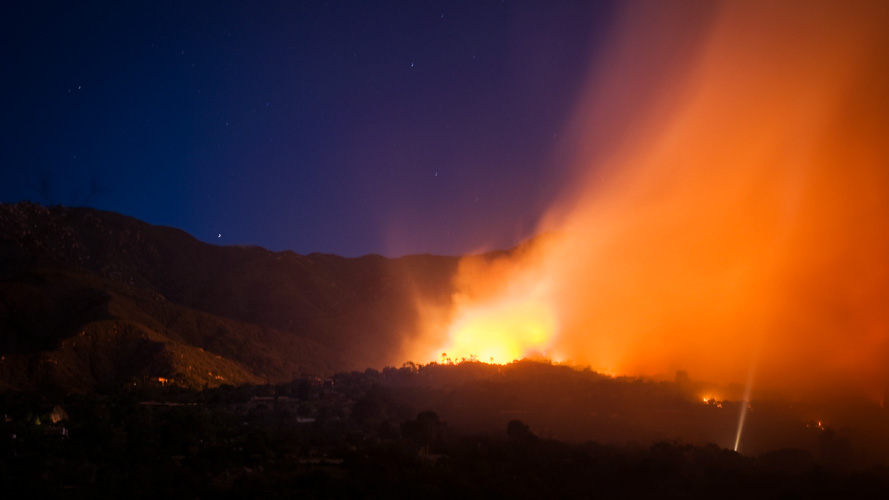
736	214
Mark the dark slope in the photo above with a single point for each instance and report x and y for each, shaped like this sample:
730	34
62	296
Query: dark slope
91	299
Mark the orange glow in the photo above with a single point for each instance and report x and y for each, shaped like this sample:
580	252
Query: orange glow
817	425
502	331
709	400
501	313
735	215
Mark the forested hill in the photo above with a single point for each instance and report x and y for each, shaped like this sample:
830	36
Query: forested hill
90	299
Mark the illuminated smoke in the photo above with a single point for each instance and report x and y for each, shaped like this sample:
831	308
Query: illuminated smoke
733	199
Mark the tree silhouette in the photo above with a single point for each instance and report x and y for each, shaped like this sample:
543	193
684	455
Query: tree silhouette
518	431
424	431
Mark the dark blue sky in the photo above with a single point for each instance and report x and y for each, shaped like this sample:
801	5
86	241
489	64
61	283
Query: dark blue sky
341	127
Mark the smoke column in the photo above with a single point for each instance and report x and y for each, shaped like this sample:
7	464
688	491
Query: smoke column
731	197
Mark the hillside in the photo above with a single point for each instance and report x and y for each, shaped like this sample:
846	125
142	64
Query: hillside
90	299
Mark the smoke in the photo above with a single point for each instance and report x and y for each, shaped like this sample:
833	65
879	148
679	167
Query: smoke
731	206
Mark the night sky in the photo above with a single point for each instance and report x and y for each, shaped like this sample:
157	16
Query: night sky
340	127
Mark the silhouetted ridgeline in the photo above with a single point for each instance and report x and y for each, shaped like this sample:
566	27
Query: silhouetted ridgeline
95	302
92	299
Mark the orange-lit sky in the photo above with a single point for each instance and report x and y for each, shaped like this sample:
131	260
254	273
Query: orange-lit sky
730	209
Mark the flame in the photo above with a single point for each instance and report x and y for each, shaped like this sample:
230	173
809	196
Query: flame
730	208
502	331
502	312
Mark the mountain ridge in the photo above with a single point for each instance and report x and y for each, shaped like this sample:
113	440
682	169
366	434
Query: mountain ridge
241	314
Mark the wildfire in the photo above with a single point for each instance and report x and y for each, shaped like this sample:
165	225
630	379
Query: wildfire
732	215
816	425
710	400
503	312
503	309
502	331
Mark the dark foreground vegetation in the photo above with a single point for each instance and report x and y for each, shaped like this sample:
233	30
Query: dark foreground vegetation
408	432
